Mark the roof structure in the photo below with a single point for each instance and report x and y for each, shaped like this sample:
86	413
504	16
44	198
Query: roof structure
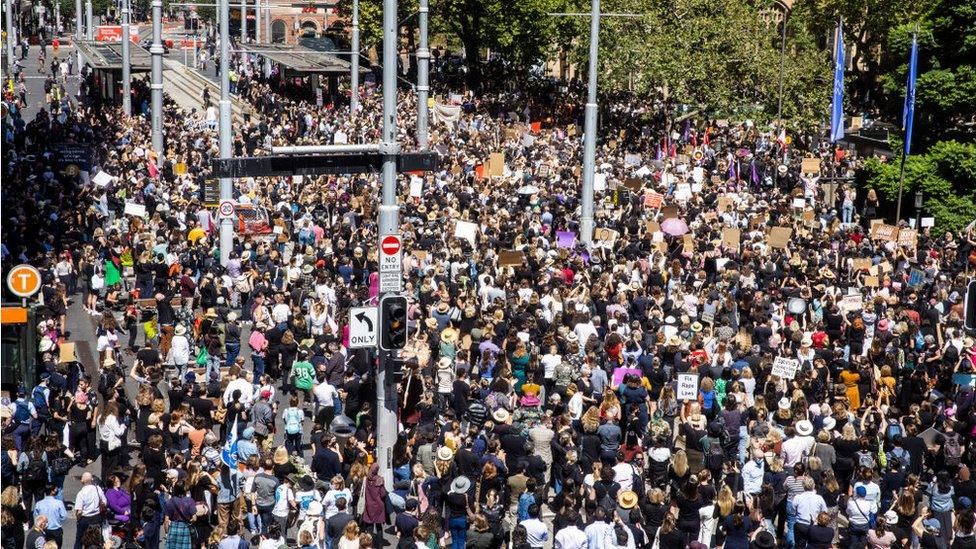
108	55
300	59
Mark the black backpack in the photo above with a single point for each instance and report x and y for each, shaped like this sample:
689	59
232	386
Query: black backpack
61	465
35	474
715	454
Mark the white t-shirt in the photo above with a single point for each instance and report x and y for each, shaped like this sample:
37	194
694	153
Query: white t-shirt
329	501
549	362
283	496
325	394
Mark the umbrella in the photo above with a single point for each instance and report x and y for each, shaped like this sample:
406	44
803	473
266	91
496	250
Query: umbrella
674	226
528	189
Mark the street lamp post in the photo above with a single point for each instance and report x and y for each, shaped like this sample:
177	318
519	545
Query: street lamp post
354	58
423	68
243	21
389	224
126	62
226	183
782	66
589	141
156	85
11	35
90	27
79	24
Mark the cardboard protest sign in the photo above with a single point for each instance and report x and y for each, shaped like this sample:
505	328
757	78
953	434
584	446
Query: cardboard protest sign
779	237
810	165
599	181
871	281
653	200
698	174
416	186
67	352
631	159
799	203
652	227
634	184
496	164
466	230
605	235
682	191
785	367
908	237
688	244
510	258
708	313
731	238
883	231
860	264
102	179
687	387
724	203
852	302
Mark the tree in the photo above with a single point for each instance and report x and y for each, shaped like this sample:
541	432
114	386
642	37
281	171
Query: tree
946	175
722	57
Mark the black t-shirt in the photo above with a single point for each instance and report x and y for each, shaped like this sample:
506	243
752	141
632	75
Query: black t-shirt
148	357
406	524
820	537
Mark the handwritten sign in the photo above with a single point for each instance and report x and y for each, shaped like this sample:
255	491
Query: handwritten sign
810	165
619	373
915	278
785	367
928	222
852	302
731	238
565	239
687	386
908	237
883	231
138	210
510	258
496	164
779	237
653	200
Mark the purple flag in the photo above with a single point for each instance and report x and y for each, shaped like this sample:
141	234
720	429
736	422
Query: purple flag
754	176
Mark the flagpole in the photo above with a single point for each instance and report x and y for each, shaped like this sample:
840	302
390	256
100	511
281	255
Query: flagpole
908	115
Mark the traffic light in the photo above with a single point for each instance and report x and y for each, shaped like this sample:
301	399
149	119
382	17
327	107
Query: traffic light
393	322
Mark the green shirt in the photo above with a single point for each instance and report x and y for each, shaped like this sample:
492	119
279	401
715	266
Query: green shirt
304	374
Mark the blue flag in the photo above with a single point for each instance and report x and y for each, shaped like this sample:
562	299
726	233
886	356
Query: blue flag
908	113
837	107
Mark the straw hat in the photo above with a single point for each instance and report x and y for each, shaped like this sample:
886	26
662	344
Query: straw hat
627	499
211	313
501	415
444	453
449	335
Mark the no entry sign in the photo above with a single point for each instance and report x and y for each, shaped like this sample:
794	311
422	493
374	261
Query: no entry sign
391	263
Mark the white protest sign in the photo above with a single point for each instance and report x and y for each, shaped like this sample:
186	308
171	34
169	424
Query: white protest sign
698	174
599	182
708	313
853	302
785	367
682	191
466	230
687	387
416	186
138	210
102	179
928	222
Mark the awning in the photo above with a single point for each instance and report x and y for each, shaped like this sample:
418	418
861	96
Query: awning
108	56
299	59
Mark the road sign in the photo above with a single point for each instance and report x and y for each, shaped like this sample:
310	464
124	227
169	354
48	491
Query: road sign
391	263
226	209
24	280
362	327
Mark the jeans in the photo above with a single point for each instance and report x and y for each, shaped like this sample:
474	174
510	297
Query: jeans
790	524
846	213
232	350
857	536
258	362
459	532
264	517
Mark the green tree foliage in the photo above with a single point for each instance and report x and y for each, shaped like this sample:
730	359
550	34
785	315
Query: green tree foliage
722	57
946	87
946	175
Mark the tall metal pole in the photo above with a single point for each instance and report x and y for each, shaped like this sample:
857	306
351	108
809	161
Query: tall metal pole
90	27
57	18
79	24
389	221
267	36
8	17
782	68
354	84
423	89
589	141
126	61
257	21
156	86
243	21
226	183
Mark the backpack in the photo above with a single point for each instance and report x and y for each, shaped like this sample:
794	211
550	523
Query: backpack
953	450
36	472
865	459
715	454
61	465
293	420
40	404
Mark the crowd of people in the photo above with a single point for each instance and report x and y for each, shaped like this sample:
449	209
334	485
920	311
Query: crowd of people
744	357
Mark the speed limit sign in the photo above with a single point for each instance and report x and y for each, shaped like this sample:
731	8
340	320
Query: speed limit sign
226	209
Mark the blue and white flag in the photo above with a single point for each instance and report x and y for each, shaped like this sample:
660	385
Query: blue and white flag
228	453
908	113
837	107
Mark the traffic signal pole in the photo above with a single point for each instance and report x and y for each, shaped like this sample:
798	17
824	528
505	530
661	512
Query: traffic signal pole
389	221
354	58
589	135
423	87
224	137
126	61
156	85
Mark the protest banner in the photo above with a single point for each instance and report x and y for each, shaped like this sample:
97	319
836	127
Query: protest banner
779	237
687	387
138	210
619	373
731	238
883	231
510	258
928	222
565	239
908	237
653	200
466	230
496	164
785	367
852	302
